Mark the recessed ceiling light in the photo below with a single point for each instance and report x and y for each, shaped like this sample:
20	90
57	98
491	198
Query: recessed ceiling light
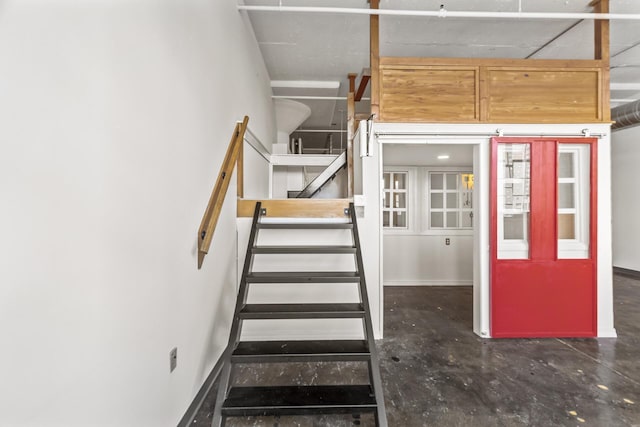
443	157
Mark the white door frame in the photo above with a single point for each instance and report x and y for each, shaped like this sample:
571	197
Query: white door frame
481	213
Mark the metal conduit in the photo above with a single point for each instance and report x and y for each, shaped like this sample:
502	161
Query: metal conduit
626	115
442	13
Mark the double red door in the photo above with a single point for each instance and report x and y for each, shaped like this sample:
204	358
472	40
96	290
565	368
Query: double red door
543	237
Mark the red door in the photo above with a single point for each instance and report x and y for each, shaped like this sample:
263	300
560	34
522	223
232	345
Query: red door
543	237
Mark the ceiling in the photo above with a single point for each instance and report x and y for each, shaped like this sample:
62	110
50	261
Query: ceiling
427	154
326	47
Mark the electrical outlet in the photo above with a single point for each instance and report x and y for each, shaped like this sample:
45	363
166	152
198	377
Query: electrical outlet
173	359
447	241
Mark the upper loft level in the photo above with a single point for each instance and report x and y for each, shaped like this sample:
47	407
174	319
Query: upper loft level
519	61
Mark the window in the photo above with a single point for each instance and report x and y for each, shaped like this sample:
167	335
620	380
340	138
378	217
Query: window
573	200
450	198
394	210
513	185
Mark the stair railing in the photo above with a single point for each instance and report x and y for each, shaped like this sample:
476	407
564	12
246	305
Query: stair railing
233	158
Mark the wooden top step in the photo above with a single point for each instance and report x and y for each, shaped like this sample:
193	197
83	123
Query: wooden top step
299	400
297	351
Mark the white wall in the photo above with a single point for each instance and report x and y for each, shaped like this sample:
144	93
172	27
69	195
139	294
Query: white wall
256	174
414	260
625	157
115	119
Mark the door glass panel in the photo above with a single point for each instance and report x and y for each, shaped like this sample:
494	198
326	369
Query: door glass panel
452	200
515	227
387	199
452	181
399	181
566	226
437	220
400	200
574	194
387	180
452	219
514	188
385	218
399	219
566	199
436	181
565	165
436	201
467	219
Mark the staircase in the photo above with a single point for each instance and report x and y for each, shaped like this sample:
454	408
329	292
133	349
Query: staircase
263	400
324	177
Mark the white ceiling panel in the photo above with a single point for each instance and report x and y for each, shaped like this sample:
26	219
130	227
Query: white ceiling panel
576	43
626	75
489	38
565	6
427	155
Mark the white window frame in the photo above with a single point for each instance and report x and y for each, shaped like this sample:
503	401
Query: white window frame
408	191
418	201
427	191
577	248
511	248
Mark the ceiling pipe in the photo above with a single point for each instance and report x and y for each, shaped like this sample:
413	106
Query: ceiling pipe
316	98
442	13
626	115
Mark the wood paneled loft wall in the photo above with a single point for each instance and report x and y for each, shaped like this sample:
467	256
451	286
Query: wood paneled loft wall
469	90
450	90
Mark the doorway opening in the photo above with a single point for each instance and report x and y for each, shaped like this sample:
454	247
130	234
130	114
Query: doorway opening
429	201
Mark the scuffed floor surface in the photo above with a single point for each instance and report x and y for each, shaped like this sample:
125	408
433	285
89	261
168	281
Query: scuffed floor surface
437	372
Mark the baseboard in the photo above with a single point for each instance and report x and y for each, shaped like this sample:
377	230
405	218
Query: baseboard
626	272
193	409
608	334
429	283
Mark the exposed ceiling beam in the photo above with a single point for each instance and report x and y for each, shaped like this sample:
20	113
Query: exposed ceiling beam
365	76
442	13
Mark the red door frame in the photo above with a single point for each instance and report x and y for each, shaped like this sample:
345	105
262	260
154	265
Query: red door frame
542	296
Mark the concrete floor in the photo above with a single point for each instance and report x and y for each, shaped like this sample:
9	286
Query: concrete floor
437	372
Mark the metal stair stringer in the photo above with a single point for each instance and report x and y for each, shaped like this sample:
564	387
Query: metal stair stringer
319	181
260	400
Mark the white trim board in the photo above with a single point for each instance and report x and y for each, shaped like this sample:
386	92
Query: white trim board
257	144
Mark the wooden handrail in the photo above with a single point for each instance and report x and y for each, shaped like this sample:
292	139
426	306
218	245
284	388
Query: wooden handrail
212	213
